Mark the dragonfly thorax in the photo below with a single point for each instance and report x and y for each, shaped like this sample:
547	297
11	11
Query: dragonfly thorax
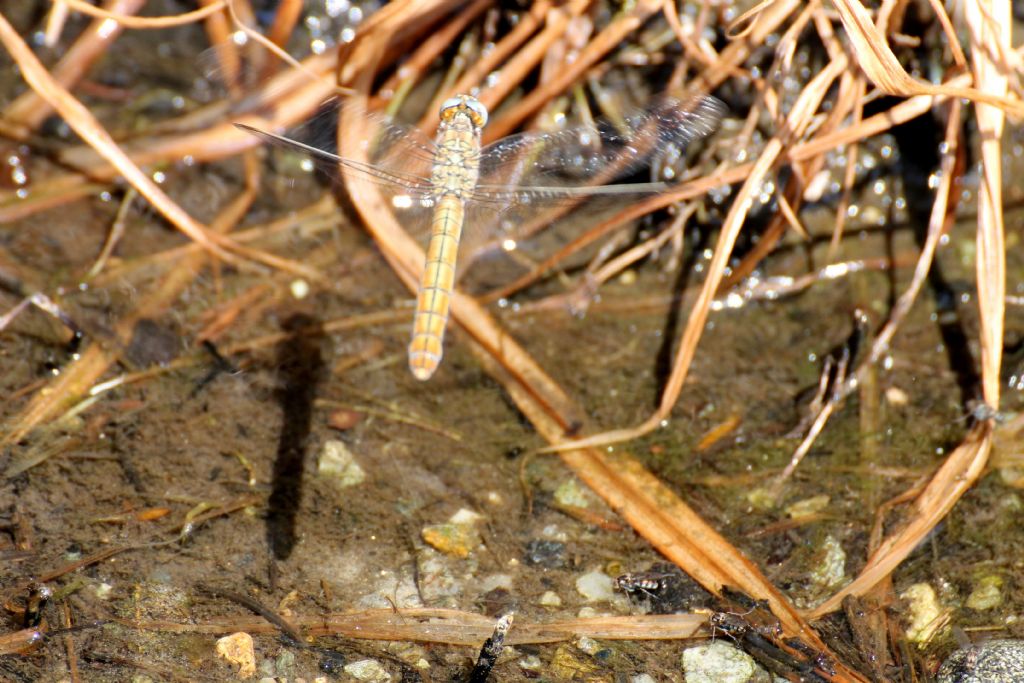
456	154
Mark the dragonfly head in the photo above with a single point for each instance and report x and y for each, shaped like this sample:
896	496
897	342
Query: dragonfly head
464	104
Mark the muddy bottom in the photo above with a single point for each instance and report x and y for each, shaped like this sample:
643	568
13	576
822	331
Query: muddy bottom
264	446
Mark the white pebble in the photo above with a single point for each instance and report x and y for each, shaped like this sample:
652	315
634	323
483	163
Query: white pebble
596	586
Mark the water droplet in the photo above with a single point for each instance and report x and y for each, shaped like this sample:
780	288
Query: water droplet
336	7
106	29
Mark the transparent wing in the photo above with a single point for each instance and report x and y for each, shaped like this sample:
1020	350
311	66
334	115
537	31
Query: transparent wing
395	178
576	163
401	157
533	180
526	180
401	172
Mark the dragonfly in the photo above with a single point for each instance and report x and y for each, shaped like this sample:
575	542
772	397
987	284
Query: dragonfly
452	181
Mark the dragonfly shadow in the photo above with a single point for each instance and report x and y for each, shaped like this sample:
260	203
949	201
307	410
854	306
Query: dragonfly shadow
300	365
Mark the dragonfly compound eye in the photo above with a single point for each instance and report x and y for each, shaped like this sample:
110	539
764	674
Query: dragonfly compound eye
465	104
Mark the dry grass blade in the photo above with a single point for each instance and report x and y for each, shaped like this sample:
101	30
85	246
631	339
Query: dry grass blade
768	20
427	53
21	642
954	478
285	18
989	24
650	507
798	120
80	376
55	23
799	152
129	21
86	125
510	46
602	44
453	627
29	110
989	28
885	71
800	90
518	67
951	37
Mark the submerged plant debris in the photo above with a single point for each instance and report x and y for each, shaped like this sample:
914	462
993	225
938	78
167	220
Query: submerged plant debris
760	412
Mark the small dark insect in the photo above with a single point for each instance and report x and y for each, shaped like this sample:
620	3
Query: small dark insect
731	624
761	643
641	582
663	589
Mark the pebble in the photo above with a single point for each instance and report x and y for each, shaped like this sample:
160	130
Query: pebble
337	462
531	663
596	586
547	554
717	662
442	578
344	419
987	593
466	517
572	493
299	288
807	507
238	650
588	645
566	666
392	589
496	581
831	568
550	599
368	670
997	661
896	396
926	615
284	663
458	536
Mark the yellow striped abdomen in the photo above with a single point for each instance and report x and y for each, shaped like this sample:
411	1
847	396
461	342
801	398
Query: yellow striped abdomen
435	293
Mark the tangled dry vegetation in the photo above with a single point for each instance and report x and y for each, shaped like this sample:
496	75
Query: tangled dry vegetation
800	75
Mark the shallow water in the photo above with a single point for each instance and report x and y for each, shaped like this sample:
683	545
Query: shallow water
311	527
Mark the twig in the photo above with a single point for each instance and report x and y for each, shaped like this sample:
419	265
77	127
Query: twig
491	650
256	606
86	125
29	110
129	21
